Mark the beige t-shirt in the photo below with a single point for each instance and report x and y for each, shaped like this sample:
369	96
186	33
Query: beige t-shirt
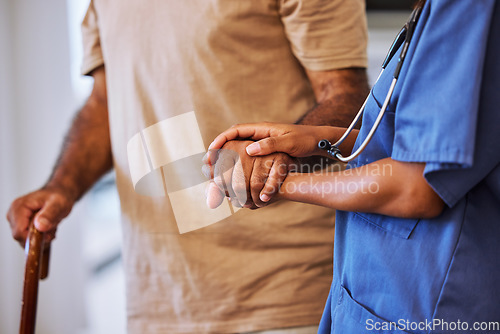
217	62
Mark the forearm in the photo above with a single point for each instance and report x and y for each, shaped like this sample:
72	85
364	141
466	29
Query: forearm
86	153
339	95
385	187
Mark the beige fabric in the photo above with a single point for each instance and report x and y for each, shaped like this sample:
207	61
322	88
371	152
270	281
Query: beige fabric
229	61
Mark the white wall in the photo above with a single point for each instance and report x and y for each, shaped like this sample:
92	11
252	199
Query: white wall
36	105
10	258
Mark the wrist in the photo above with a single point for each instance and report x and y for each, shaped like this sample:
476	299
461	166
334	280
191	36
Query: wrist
285	188
333	134
313	164
63	187
330	133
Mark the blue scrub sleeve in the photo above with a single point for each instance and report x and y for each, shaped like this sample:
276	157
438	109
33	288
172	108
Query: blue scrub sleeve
438	110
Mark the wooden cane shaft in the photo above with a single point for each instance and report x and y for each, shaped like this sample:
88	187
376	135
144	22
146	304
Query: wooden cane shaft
44	270
31	278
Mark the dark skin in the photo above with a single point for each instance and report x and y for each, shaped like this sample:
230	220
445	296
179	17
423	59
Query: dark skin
85	157
402	193
387	186
339	94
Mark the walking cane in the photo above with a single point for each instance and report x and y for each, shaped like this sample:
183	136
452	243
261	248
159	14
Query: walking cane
37	267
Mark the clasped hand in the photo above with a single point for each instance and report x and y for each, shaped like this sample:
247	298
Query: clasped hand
249	181
251	171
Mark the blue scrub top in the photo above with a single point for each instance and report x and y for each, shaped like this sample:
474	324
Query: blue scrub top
445	112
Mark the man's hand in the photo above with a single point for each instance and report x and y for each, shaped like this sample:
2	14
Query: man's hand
47	206
250	182
85	157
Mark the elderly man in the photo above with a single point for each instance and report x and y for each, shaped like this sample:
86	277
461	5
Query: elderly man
212	63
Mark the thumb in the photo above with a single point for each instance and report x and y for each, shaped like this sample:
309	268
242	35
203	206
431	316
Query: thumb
271	145
50	215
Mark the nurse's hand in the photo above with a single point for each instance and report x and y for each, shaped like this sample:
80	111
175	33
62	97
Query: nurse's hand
250	182
294	140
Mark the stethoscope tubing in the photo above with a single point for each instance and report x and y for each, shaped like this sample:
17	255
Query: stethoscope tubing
403	38
374	128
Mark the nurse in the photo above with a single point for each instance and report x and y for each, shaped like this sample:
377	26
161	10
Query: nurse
417	243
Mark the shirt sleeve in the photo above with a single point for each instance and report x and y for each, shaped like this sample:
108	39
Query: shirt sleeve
92	53
441	117
326	34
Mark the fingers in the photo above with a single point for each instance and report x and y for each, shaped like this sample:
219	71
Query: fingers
208	171
19	216
230	174
277	175
215	197
240	185
210	158
235	132
254	131
267	176
285	144
47	208
223	171
295	140
250	182
52	212
260	173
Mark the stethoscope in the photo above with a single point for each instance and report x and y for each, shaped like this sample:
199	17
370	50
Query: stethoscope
403	38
